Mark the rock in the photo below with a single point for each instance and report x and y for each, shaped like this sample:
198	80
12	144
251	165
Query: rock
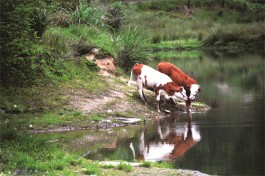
109	111
116	163
129	120
167	111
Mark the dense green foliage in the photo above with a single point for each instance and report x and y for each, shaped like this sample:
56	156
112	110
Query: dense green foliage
21	57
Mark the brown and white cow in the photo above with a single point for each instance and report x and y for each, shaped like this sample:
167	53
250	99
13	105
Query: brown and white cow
180	78
158	82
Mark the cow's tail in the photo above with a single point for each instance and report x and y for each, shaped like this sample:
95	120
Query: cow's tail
132	79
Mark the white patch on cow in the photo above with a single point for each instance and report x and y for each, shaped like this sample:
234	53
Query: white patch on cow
152	77
132	79
194	91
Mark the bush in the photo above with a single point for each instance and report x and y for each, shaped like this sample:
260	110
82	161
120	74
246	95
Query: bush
21	57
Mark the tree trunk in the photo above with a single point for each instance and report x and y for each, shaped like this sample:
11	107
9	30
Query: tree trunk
223	3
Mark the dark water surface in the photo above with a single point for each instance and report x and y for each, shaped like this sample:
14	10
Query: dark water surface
226	140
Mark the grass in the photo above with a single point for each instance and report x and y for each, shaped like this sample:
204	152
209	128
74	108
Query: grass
44	154
210	25
51	120
177	44
182	55
147	164
79	40
92	169
163	165
64	77
235	35
125	167
33	154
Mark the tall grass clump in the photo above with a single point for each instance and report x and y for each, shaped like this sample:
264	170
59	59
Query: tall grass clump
85	14
131	48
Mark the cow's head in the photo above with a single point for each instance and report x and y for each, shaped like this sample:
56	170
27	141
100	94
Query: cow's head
194	91
180	95
171	90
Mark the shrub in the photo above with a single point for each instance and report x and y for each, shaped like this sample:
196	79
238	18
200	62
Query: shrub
115	16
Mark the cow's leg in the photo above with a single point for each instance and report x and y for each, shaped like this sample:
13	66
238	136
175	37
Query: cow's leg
188	104
140	90
158	98
176	103
144	96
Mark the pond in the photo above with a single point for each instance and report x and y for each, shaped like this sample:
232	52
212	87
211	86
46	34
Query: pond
226	140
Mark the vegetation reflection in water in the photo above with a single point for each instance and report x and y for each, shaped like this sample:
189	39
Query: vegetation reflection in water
159	140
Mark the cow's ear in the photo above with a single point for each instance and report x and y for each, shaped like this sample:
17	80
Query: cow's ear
180	88
187	87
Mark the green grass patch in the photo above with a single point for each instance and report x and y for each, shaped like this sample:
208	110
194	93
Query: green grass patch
50	120
177	44
30	153
147	164
78	40
92	169
183	55
163	164
125	167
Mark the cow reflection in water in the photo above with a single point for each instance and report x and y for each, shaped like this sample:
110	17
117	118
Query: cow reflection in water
172	143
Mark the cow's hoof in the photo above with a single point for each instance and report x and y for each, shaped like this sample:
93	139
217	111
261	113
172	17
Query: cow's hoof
167	111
